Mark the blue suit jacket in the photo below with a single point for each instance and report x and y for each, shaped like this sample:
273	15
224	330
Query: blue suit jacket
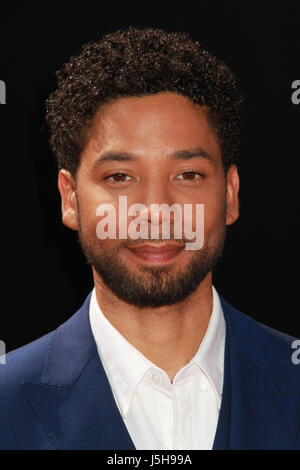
54	393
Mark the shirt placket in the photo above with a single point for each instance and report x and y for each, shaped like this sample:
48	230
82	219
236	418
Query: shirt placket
183	414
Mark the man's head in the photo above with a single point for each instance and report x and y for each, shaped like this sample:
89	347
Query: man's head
148	115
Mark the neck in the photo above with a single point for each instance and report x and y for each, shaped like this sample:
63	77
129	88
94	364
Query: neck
168	336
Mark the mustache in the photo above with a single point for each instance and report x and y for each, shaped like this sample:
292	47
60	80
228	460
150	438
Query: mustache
140	242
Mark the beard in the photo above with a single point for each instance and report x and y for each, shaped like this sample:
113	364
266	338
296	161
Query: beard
151	286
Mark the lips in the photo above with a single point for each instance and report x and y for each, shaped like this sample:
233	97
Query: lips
156	254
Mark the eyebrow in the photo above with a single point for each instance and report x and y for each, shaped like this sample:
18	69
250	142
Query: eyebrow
194	153
114	157
128	157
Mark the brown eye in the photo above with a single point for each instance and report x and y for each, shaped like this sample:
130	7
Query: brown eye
189	175
117	177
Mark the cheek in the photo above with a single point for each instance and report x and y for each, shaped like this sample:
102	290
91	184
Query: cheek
211	209
88	219
215	217
92	203
215	212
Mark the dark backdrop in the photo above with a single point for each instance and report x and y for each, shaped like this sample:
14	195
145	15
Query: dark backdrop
44	275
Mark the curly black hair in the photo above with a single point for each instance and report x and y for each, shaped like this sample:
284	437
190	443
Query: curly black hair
139	62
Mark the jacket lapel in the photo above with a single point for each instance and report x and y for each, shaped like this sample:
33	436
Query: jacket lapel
221	441
73	400
260	402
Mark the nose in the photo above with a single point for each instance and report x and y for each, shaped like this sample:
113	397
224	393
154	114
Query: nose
160	209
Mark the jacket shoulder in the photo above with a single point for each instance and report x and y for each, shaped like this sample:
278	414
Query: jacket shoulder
25	363
18	424
31	364
264	346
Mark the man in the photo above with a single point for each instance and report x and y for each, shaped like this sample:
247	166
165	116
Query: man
155	358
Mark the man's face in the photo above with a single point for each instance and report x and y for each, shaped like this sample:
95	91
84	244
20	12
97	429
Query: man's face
153	150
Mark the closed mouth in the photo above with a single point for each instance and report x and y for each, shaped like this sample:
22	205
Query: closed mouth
156	253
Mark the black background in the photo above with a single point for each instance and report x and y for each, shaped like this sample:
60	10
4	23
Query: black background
44	275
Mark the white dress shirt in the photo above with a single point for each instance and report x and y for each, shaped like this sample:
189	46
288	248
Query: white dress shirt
158	414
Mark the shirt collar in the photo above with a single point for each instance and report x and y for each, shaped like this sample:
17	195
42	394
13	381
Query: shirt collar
210	355
125	366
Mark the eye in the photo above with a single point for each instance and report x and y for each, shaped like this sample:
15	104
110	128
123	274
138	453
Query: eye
190	175
117	178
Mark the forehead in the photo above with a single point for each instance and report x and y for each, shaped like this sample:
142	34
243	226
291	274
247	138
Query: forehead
153	125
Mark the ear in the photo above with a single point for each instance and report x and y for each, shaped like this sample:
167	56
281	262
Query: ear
66	186
232	195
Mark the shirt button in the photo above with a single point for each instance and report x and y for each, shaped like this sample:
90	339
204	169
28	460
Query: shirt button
203	388
156	377
139	394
